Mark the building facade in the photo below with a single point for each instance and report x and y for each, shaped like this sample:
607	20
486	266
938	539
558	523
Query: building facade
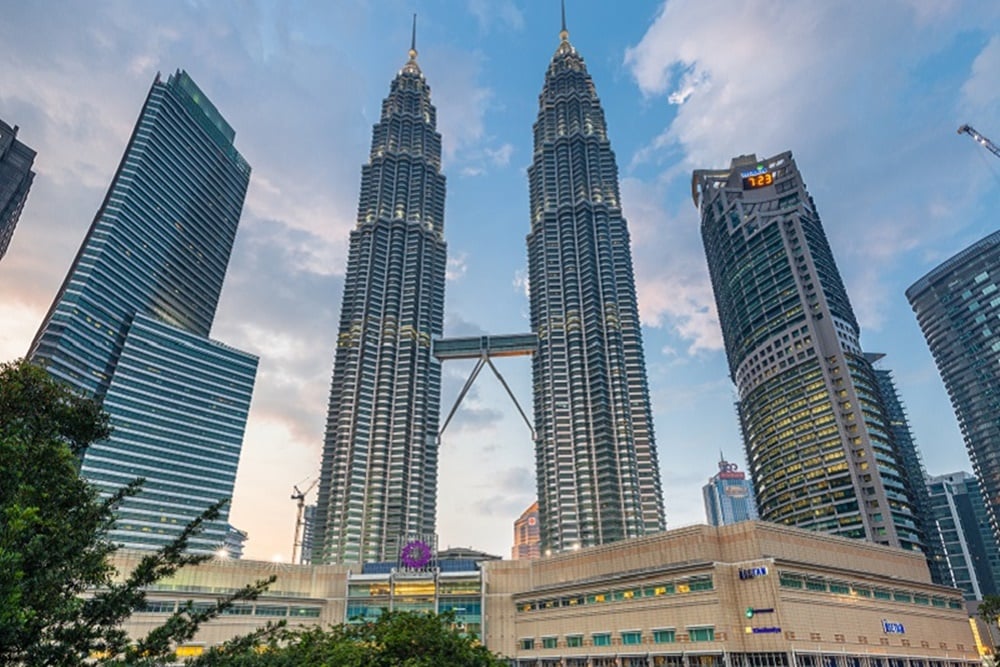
818	443
923	511
378	480
973	556
751	594
15	181
728	496
597	469
956	306
129	326
527	535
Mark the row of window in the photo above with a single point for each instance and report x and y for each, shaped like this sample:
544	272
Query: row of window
625	638
823	585
272	610
688	585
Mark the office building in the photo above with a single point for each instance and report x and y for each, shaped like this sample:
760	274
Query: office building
130	324
597	471
728	496
752	594
236	539
957	306
378	480
923	512
15	180
527	535
973	557
817	438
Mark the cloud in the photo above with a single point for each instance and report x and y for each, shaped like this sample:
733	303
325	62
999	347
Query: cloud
457	266
493	13
980	93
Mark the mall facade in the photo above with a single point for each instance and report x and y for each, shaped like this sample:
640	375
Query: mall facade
752	594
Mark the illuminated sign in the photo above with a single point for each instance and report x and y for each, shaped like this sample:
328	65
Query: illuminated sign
892	628
753	572
756	178
769	630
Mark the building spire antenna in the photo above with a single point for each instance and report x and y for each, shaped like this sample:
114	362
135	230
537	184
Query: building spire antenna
413	39
564	33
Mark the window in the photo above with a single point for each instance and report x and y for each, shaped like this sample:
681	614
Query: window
527	644
665	636
602	639
574	641
548	642
701	634
631	637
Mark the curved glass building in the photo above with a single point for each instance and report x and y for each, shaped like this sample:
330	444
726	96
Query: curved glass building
957	306
817	437
597	470
378	480
130	323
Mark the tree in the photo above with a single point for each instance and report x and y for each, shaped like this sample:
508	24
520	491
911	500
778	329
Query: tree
989	609
395	639
59	602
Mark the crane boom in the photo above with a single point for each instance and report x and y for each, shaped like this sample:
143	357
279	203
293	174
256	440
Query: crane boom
971	131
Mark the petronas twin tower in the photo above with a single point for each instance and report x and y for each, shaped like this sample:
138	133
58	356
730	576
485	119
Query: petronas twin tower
597	471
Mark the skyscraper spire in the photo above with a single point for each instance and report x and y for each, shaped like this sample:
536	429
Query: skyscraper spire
413	39
564	33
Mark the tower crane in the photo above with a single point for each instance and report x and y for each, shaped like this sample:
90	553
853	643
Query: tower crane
300	498
971	131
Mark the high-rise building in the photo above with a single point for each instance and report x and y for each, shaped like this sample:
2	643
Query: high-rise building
728	496
973	557
378	481
236	539
15	180
817	437
527	535
957	305
129	325
923	512
597	469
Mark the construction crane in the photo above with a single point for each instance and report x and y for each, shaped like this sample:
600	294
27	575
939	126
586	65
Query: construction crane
300	498
971	131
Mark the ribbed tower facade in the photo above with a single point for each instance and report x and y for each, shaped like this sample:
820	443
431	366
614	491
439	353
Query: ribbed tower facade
597	470
131	321
957	306
817	436
378	481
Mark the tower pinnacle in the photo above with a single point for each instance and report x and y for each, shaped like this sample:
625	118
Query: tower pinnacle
413	40
564	33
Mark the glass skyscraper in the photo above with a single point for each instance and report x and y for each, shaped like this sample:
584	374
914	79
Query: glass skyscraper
15	180
957	306
597	469
728	496
973	558
378	480
129	325
923	511
817	436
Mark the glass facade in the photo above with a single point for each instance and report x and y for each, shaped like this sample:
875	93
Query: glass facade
459	593
728	496
129	325
15	181
820	451
899	424
958	307
597	470
973	557
378	480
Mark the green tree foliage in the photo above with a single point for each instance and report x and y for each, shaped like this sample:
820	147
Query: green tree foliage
396	639
60	602
989	609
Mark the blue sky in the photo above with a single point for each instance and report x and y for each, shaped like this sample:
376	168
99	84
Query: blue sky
867	95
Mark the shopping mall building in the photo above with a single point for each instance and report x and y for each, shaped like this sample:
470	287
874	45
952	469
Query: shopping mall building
751	594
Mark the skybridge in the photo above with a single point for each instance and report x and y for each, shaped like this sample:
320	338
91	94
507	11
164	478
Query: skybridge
484	349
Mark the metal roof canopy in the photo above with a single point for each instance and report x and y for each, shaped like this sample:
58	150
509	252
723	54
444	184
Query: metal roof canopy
484	348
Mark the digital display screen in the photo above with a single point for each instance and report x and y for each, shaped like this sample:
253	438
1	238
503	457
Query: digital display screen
758	178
